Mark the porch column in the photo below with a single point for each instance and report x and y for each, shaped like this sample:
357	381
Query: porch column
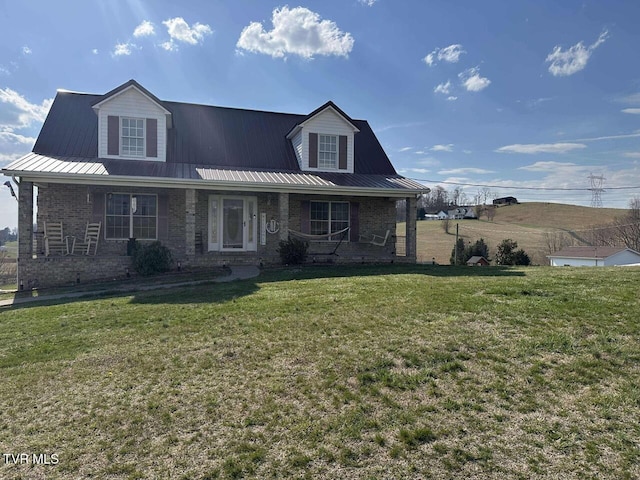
190	222
283	212
25	220
411	236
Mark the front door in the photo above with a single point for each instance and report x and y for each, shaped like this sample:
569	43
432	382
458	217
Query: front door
232	223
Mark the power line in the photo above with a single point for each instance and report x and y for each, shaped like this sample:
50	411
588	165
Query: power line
506	187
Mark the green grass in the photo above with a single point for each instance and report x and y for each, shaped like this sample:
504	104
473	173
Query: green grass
349	372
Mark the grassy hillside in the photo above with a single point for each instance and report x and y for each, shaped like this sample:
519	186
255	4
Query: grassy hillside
369	372
525	223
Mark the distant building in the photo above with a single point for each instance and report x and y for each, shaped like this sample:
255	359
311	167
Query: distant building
460	213
478	261
593	257
505	201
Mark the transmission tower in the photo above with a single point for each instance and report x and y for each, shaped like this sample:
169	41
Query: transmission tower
596	189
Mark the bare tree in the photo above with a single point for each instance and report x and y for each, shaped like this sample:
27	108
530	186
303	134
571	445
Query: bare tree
628	227
490	212
446	224
555	241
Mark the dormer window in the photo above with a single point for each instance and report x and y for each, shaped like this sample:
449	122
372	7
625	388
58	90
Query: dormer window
132	137
328	151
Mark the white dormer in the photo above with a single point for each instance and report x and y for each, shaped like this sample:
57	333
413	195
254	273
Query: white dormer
132	124
324	141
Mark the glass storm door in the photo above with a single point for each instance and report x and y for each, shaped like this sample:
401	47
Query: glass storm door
232	224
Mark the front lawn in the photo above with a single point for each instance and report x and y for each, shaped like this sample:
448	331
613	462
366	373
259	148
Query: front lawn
332	372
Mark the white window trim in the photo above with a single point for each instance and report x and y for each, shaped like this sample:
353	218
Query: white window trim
131	195
144	138
348	237
336	139
250	225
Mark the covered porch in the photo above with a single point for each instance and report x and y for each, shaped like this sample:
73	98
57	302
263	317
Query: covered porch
202	227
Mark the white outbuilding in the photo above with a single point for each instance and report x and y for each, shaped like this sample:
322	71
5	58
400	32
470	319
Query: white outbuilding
593	257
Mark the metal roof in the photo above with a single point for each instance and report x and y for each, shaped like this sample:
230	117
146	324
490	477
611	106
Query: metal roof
588	252
114	171
205	144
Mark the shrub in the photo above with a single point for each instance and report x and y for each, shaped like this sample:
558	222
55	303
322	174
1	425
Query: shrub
507	254
292	251
152	258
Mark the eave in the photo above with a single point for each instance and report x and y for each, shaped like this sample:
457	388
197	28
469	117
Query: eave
42	169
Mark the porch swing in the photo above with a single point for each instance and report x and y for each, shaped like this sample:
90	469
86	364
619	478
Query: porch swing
325	236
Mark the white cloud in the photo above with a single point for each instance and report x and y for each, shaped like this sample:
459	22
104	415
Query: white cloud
297	31
541	148
442	148
632	154
405	149
444	88
145	29
633	98
559	167
452	98
180	31
472	81
568	62
368	3
450	54
123	49
16	112
94	51
169	46
465	171
26	50
634	111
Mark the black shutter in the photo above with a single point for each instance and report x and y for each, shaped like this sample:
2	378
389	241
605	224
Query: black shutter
305	216
354	222
163	217
342	153
113	135
152	137
97	210
313	150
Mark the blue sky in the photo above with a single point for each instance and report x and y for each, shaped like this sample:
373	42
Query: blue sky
503	93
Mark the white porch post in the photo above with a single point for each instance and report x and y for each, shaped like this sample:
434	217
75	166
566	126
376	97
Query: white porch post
283	209
190	222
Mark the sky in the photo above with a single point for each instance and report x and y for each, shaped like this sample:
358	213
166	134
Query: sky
529	98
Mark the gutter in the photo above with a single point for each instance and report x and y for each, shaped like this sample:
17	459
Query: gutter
158	182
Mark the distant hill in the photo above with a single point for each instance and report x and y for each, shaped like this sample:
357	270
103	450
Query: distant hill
526	223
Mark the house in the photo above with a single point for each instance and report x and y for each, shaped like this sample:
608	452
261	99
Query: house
215	185
593	257
462	213
505	201
478	261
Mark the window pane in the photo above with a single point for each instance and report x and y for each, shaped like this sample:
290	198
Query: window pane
319	218
133	137
327	151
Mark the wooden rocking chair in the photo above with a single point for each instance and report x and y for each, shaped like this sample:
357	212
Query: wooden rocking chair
91	238
55	243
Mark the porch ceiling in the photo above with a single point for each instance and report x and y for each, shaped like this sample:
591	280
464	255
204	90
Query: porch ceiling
179	175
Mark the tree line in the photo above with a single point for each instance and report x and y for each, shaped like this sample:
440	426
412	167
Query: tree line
8	235
623	231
